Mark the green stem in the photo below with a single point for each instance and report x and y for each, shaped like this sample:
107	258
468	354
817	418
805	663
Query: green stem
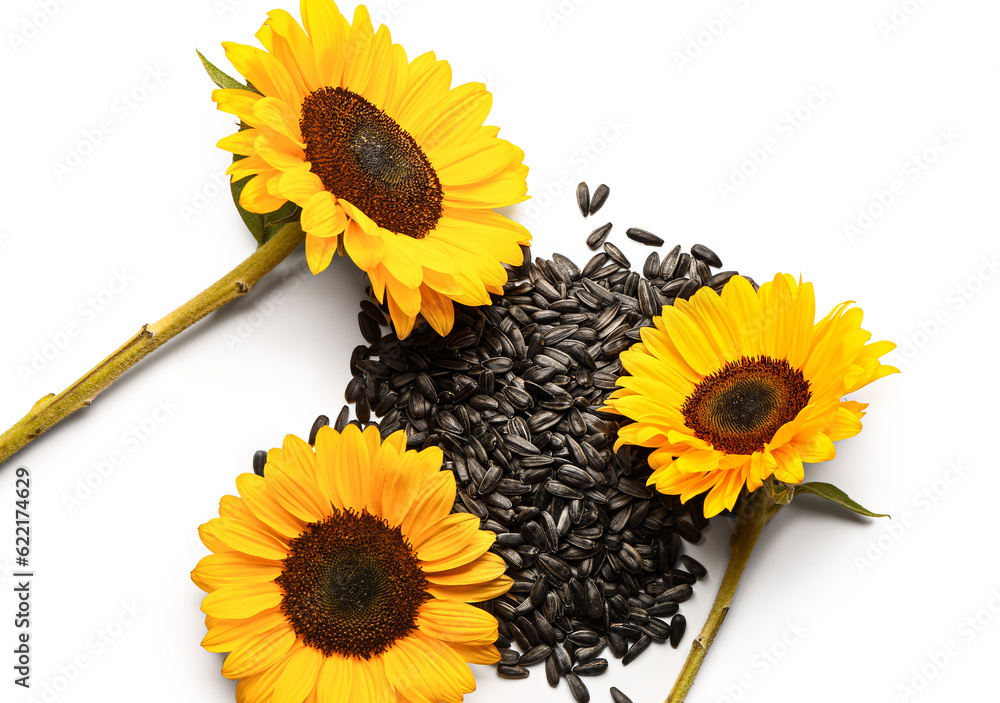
52	409
755	514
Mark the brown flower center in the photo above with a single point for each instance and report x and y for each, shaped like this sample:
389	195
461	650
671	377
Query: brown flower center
740	407
364	157
352	585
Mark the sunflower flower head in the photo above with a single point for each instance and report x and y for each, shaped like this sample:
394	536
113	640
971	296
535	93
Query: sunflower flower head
729	390
389	164
341	575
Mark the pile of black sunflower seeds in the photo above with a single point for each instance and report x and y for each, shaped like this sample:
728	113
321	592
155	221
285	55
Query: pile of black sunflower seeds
512	397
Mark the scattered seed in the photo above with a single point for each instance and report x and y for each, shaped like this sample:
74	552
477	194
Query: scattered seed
694	566
703	253
595	240
595	667
678	624
601	194
639	647
619	697
616	255
510	397
643	237
259	461
577	688
583	198
512	672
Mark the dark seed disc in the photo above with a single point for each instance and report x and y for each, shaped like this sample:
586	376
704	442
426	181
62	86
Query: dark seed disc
583	198
601	194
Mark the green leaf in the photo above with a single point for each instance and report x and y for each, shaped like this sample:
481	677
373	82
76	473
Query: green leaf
253	221
279	218
262	227
218	77
835	495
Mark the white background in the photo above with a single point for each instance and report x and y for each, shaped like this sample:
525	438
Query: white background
833	608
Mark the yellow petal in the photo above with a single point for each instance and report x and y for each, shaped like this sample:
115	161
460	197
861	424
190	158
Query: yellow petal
242	600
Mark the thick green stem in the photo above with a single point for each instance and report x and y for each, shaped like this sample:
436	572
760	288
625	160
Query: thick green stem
754	515
52	409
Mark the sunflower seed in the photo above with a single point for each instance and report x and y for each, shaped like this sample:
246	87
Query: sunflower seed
703	253
552	674
535	654
600	196
595	667
720	279
663	609
694	566
370	329
342	418
508	657
512	672
509	396
577	688
643	237
583	198
678	624
639	647
259	461
619	697
616	255
563	661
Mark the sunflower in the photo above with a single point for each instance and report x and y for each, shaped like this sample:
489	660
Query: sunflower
731	389
341	575
388	162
